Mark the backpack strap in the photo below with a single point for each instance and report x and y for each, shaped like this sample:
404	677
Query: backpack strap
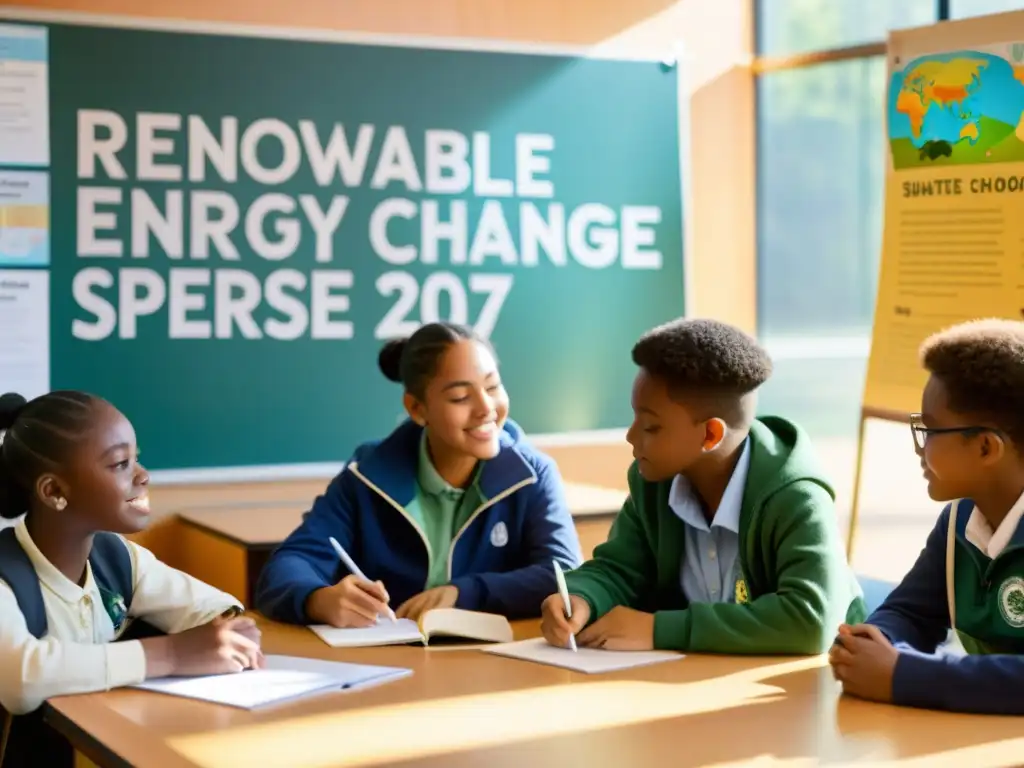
950	558
19	573
112	571
111	563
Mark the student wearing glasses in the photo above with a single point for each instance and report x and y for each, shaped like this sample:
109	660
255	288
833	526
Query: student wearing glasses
970	575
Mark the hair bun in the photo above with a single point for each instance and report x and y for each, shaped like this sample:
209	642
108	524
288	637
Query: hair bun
10	405
390	359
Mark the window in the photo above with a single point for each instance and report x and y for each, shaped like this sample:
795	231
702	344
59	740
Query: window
799	26
960	9
821	166
821	171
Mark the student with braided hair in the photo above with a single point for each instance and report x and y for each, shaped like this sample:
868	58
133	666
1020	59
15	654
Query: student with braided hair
73	591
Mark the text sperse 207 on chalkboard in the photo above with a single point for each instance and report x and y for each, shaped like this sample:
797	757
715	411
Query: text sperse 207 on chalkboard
169	198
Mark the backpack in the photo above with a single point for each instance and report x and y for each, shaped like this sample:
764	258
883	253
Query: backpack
27	740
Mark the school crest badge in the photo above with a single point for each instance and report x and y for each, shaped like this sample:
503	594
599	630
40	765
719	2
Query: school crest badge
1011	601
499	534
742	596
114	605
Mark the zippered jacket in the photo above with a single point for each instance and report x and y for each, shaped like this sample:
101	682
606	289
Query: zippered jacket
794	588
500	559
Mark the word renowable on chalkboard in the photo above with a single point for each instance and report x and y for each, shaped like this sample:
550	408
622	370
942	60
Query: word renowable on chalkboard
213	222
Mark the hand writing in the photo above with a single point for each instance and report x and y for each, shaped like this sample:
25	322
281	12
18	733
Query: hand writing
621	629
438	597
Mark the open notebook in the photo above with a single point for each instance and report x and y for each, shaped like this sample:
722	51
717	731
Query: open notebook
285	678
440	622
589	660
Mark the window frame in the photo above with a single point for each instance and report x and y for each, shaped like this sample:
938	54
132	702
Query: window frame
762	64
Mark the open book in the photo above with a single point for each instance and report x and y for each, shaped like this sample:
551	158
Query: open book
440	622
285	678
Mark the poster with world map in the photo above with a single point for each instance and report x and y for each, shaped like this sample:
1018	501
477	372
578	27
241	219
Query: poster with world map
953	235
958	108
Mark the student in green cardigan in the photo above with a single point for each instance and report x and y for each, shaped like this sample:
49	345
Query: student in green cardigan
728	541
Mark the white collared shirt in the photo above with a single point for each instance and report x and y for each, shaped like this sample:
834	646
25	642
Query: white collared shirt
710	566
78	653
990	542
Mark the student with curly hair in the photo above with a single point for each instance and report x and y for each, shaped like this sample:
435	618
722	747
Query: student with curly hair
728	541
970	574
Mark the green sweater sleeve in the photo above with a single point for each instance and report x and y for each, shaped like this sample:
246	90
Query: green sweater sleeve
812	595
622	569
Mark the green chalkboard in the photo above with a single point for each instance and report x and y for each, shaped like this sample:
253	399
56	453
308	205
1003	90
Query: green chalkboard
225	274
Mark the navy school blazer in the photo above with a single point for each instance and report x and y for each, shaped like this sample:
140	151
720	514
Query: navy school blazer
500	560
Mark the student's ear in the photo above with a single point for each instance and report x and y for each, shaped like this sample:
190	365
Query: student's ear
992	447
714	433
416	409
50	491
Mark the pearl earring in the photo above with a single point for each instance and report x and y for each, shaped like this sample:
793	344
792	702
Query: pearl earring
61	503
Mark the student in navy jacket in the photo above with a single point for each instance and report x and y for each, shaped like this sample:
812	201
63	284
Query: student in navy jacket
452	509
970	575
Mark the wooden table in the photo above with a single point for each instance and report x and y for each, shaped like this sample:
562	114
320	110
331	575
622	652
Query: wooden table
467	708
227	546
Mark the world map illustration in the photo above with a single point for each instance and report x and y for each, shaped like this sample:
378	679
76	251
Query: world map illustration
957	108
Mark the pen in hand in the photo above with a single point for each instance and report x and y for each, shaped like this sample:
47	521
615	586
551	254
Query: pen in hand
354	569
563	590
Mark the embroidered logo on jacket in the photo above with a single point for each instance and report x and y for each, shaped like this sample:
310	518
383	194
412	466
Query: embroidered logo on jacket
499	534
1011	601
114	605
741	592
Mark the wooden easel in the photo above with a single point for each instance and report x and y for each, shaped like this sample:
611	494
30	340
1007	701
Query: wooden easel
866	412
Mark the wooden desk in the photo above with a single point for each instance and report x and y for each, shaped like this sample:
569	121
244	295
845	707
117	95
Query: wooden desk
466	708
227	547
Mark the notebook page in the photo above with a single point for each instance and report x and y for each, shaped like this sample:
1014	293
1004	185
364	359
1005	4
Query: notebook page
384	632
286	678
588	660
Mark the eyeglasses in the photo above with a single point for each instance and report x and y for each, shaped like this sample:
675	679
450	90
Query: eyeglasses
921	433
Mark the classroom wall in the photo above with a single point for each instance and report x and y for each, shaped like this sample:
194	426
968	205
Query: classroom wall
715	37
717	42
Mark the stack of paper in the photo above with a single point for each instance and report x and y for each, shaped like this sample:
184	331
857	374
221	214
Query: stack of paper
285	678
589	660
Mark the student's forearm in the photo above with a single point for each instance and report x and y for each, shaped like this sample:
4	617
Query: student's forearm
603	585
44	668
971	684
285	588
915	612
915	631
159	657
172	600
515	594
772	624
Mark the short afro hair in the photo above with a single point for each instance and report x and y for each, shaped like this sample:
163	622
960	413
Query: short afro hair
707	359
981	365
